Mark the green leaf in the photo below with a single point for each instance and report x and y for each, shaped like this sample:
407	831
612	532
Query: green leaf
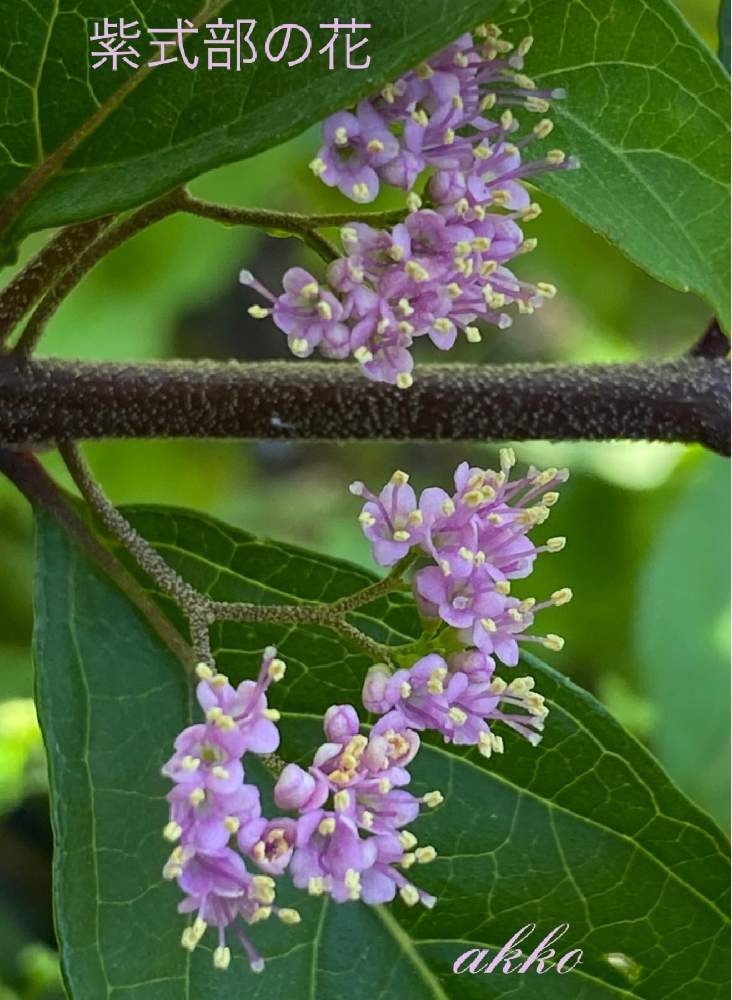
647	112
176	123
584	829
695	535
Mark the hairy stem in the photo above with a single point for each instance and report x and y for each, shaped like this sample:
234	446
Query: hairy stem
41	273
285	222
379	652
29	476
394	580
144	554
200	610
104	244
305	227
67	258
46	401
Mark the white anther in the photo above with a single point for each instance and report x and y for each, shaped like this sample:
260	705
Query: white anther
563	596
556	157
196	797
553	642
222	957
277	669
363	355
543	128
409	894
433	799
415	271
341	800
299	346
258	312
532	212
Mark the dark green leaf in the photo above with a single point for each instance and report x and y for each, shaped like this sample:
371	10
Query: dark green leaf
647	112
585	829
177	123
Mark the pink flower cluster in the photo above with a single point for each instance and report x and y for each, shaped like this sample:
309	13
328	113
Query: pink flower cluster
348	837
477	541
212	807
445	265
353	807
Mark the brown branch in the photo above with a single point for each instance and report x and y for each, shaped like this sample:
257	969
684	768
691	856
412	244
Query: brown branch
108	241
40	273
46	401
713	343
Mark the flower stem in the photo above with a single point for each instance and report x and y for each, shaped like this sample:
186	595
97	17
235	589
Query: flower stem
44	270
201	611
294	223
109	240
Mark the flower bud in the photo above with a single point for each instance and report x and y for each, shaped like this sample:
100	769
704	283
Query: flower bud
294	787
375	687
340	723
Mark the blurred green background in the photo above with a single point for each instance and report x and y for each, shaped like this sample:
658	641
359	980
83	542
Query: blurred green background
648	525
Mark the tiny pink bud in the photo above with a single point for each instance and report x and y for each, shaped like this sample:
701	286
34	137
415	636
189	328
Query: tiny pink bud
340	723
